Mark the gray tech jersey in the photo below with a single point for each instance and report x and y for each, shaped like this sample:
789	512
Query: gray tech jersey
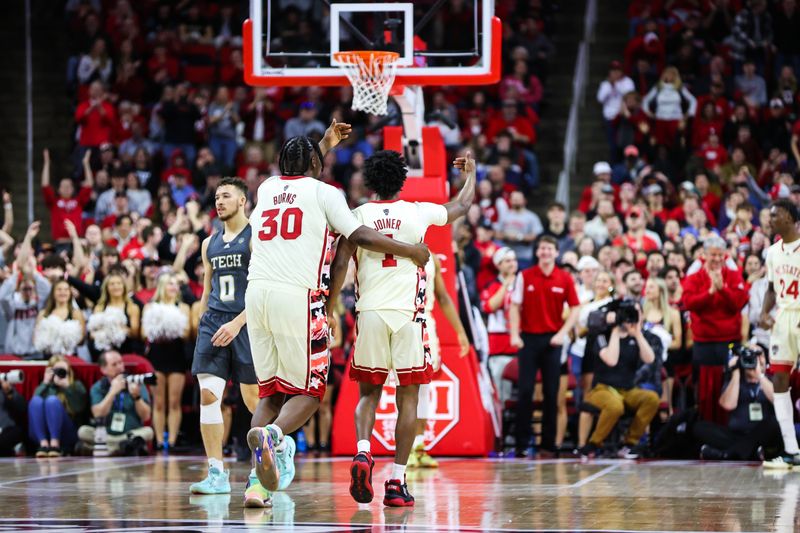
229	264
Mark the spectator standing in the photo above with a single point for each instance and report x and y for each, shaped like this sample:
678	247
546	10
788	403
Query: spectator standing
751	85
121	407
12	408
518	228
714	296
96	65
752	34
65	205
538	328
114	295
671	104
96	119
496	303
305	124
609	95
180	115
223	116
637	238
22	295
57	409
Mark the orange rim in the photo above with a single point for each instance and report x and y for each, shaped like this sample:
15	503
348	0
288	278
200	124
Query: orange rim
350	57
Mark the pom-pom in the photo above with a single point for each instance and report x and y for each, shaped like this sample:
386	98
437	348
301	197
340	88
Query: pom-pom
57	337
108	328
163	322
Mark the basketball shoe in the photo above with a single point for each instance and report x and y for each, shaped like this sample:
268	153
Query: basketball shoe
783	462
284	458
260	441
423	459
255	495
216	483
397	494
361	477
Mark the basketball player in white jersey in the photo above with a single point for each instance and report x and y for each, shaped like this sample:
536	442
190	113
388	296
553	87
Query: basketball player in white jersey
783	274
419	458
390	325
293	229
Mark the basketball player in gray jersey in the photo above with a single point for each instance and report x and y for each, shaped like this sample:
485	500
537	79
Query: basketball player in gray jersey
223	347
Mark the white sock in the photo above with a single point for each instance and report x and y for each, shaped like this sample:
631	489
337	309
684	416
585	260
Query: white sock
785	415
419	442
216	463
398	472
363	446
278	432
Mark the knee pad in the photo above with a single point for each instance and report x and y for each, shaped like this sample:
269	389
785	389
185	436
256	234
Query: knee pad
211	413
423	403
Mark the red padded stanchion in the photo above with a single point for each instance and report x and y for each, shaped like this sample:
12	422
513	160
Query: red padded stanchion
460	424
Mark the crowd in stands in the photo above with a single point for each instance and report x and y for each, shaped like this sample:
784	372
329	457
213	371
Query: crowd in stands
703	135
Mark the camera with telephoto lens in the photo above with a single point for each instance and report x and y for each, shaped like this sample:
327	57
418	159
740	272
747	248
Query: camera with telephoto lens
60	372
748	359
625	313
141	379
12	377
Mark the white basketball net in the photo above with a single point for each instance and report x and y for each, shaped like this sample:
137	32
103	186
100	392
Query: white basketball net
371	74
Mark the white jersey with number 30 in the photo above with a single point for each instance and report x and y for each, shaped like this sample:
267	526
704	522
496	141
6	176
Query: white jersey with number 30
783	270
385	282
291	231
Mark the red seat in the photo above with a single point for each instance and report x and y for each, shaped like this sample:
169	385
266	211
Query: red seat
200	50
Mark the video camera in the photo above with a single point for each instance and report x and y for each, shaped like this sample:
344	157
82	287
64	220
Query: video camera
12	377
748	359
141	379
625	313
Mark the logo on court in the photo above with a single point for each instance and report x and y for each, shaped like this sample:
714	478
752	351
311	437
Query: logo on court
444	410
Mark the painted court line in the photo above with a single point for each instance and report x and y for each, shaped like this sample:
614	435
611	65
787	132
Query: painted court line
596	475
116	465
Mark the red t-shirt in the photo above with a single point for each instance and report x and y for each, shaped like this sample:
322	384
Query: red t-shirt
647	245
522	125
62	209
541	299
145	295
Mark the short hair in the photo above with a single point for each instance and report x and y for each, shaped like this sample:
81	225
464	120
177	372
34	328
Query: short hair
714	241
147	232
787	205
54	261
549	239
622	262
233	181
121	218
109	251
295	156
578	214
745	205
385	173
630	273
103	359
667	269
556	205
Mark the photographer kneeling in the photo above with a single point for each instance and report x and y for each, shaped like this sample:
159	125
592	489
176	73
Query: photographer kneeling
620	355
121	406
747	396
58	406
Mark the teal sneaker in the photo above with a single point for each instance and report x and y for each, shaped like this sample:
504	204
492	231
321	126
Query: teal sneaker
216	483
285	461
255	495
262	445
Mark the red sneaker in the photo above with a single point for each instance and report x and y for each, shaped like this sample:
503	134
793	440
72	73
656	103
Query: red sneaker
397	494
361	477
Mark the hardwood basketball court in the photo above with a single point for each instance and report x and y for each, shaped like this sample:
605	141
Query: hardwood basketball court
152	494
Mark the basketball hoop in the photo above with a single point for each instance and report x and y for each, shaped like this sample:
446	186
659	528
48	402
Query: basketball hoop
371	73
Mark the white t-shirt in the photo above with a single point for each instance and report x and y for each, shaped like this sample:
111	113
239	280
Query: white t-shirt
783	270
388	283
292	224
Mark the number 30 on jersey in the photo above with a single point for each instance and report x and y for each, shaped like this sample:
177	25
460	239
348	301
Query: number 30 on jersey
289	224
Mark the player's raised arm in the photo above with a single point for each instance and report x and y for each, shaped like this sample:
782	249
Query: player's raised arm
336	133
459	207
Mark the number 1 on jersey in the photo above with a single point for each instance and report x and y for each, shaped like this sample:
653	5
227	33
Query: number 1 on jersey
388	259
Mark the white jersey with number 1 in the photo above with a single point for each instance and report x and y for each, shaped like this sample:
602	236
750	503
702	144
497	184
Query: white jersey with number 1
385	282
783	270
